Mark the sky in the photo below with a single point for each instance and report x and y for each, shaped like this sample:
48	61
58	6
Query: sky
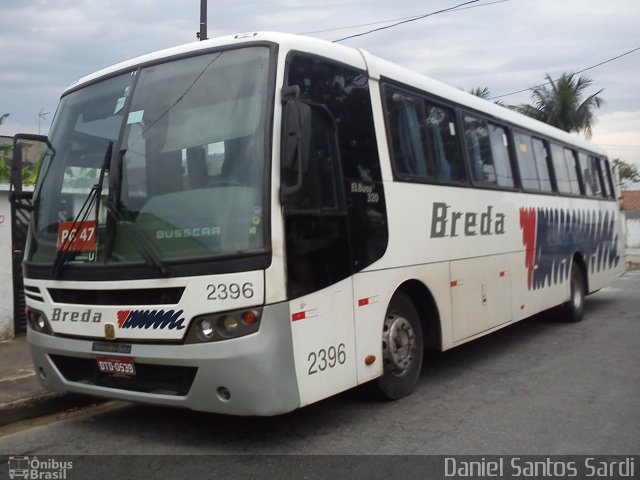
504	45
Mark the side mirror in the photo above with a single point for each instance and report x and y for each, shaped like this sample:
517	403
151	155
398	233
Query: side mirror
18	163
16	170
296	133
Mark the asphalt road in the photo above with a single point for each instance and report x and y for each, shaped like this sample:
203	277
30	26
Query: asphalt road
538	387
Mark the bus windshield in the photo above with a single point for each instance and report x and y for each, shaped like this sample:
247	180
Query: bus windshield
172	154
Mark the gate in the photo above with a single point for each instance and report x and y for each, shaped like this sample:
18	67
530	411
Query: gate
19	223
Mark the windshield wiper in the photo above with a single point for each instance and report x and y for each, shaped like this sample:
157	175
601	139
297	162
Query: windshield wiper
138	239
63	252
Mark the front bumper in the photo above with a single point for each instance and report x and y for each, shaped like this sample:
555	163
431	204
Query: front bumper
256	372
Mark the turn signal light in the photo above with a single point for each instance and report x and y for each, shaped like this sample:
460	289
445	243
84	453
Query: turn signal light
215	327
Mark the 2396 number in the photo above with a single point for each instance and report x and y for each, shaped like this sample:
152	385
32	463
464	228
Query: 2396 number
326	358
234	291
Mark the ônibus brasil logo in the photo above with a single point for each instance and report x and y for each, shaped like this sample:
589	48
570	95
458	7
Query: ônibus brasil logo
38	469
155	319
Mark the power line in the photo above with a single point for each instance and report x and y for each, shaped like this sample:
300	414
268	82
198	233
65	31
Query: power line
579	71
405	21
616	145
414	17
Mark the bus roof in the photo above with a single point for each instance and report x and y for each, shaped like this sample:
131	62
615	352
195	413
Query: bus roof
376	67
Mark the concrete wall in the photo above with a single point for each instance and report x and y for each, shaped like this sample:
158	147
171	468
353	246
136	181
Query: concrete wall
6	267
633	229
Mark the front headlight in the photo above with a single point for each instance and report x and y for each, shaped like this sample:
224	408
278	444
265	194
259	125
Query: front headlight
38	321
215	327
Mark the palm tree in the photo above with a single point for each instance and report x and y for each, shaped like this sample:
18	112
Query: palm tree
482	92
561	103
485	94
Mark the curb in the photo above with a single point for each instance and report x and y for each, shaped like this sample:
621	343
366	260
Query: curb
42	404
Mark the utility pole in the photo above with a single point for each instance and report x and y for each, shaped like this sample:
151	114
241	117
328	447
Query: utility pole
202	34
41	115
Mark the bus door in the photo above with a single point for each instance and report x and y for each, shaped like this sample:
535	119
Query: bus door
318	261
335	224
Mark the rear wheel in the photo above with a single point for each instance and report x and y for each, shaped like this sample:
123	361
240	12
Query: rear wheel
574	308
402	349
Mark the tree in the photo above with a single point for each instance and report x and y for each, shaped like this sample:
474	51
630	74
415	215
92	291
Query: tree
29	172
627	171
560	103
482	92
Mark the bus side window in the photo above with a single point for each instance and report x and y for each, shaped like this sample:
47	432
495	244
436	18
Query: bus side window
526	162
443	142
407	130
423	138
488	150
605	172
560	169
572	171
590	176
541	153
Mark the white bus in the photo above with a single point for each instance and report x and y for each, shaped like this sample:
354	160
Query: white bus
250	224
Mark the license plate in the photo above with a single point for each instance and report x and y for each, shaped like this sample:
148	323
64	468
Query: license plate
116	365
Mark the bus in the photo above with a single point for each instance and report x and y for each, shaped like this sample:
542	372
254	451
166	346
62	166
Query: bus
250	224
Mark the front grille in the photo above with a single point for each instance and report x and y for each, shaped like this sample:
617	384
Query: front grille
160	379
137	296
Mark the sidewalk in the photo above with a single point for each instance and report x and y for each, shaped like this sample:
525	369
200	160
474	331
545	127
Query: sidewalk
21	396
632	258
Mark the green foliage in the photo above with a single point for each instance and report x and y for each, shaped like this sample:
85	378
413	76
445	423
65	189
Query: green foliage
485	94
29	172
482	92
626	170
560	103
5	162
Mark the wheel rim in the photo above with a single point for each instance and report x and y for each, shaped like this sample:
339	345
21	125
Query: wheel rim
398	344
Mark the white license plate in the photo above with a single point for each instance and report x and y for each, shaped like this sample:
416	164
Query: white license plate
116	365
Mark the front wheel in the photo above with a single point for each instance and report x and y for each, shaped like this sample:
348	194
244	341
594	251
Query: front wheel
574	308
402	349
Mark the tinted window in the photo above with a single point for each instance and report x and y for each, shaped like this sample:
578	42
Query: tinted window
560	169
533	162
590	174
424	140
607	184
526	162
541	155
488	150
339	225
572	173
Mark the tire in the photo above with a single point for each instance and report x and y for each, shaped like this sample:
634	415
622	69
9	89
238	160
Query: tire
573	309
402	349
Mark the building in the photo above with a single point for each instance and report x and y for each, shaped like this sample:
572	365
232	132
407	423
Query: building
631	209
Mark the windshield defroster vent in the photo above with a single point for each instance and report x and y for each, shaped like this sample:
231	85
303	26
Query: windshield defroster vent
137	296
